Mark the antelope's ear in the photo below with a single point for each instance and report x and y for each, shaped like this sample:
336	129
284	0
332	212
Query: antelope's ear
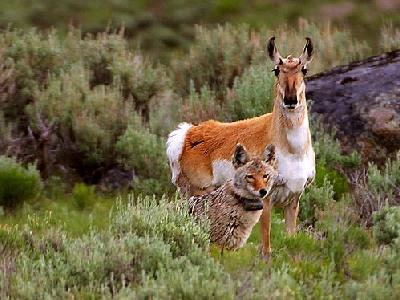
269	153
308	53
273	52
240	156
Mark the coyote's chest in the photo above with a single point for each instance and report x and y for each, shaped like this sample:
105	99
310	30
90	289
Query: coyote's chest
230	224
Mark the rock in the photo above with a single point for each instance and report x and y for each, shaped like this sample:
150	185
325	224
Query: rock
362	100
384	119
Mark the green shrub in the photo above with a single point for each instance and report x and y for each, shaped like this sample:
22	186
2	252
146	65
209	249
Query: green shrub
390	38
187	281
338	181
356	237
141	82
111	63
9	248
280	284
165	113
362	264
155	29
387	225
99	54
149	250
159	30
342	237
87	121
55	187
83	196
215	59
327	148
252	94
387	180
10	242
315	198
375	287
377	188
73	97
143	151
5	133
32	57
97	125
200	106
147	217
17	183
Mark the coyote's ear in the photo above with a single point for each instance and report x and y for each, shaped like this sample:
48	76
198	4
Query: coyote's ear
240	156
269	153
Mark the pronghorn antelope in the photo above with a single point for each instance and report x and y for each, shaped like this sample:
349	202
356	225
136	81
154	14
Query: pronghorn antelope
200	155
235	207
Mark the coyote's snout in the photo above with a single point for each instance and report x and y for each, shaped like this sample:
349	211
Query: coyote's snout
235	207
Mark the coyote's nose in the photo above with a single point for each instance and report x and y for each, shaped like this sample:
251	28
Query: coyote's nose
263	192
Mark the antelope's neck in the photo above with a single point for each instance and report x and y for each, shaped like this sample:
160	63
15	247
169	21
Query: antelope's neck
291	129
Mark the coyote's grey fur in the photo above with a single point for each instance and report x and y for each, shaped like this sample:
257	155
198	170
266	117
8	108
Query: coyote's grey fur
235	207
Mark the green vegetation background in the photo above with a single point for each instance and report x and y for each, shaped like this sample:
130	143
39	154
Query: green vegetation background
75	106
160	26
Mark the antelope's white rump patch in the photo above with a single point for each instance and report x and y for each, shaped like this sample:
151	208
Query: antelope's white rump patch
175	142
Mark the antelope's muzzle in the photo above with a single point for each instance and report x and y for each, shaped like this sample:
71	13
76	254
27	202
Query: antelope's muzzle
290	102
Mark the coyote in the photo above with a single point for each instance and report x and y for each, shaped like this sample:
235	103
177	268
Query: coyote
199	155
235	207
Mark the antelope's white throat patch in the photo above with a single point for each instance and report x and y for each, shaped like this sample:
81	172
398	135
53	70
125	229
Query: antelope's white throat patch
297	137
297	167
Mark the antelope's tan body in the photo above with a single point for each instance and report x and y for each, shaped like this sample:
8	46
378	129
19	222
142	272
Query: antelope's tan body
210	144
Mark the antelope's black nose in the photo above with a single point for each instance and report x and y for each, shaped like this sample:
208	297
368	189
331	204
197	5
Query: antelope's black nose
263	192
290	102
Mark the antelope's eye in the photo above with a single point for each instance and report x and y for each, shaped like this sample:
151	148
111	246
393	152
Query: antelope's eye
304	70
249	177
276	71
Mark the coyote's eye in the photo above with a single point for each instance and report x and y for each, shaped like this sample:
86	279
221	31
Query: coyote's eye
266	177
249	177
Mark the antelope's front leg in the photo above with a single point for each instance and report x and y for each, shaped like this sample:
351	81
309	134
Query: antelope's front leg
291	212
266	229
